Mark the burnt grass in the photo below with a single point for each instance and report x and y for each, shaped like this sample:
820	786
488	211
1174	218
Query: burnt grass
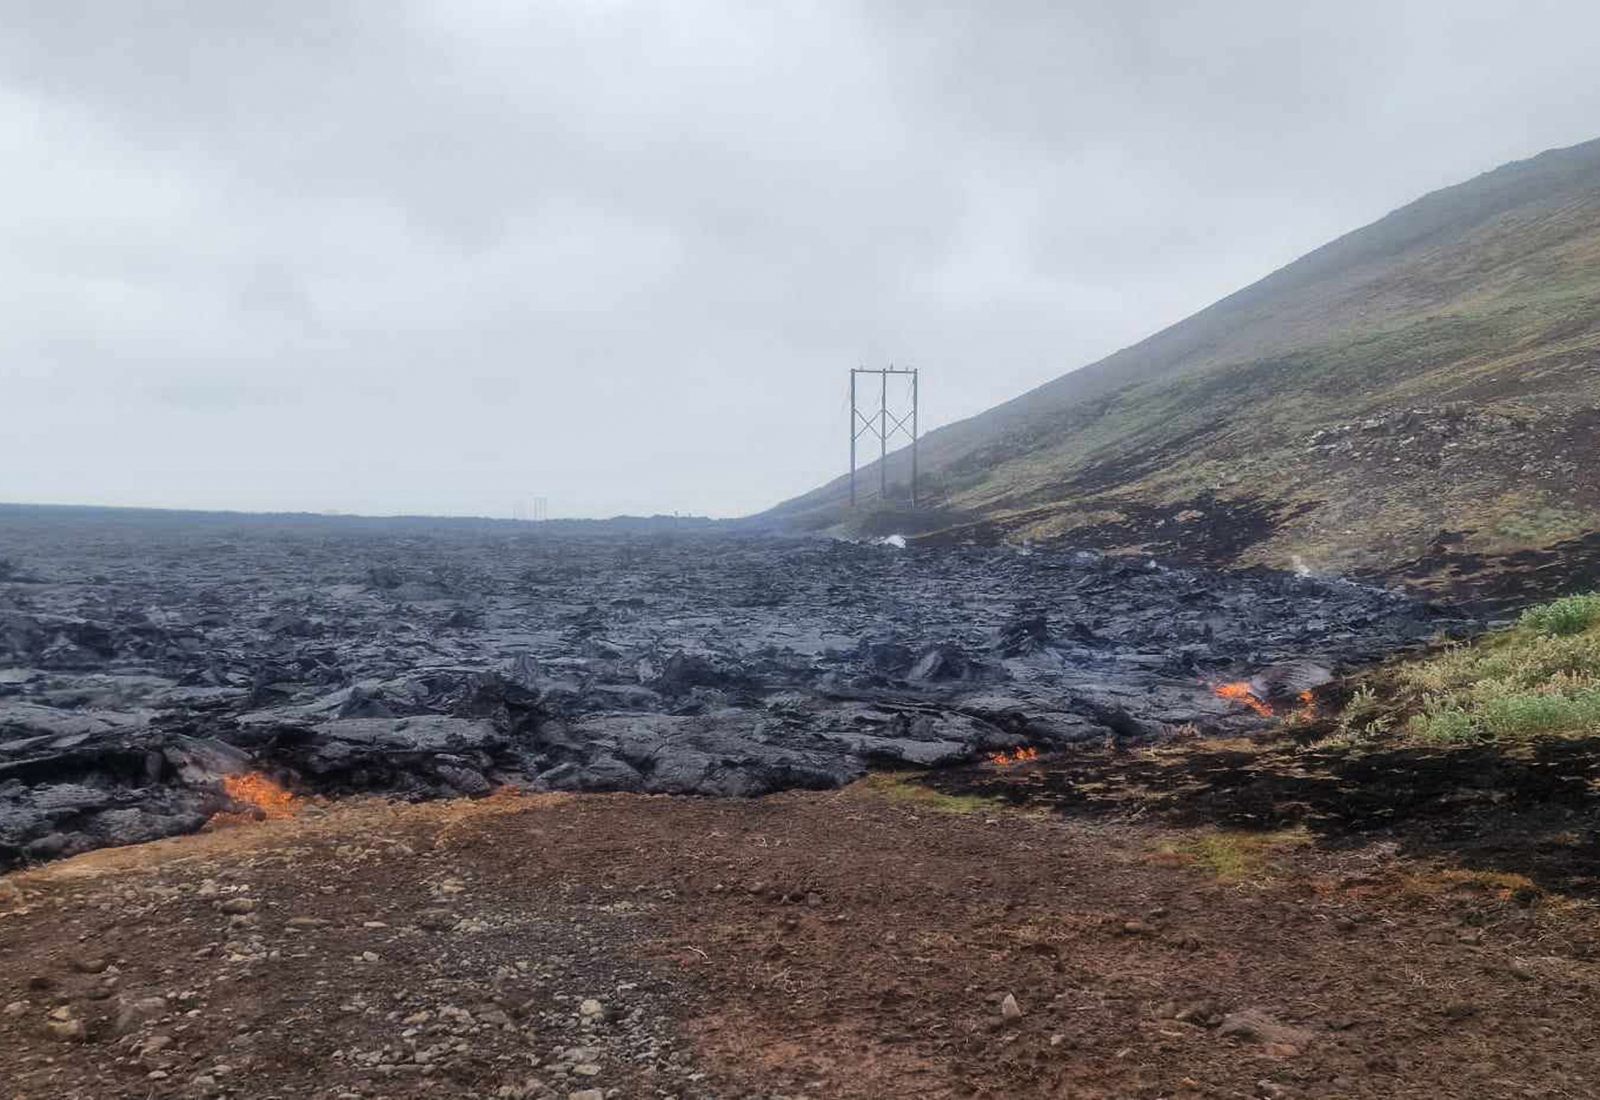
1206	530
1494	582
1533	811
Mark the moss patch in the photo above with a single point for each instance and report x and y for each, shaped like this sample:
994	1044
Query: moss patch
1234	856
902	787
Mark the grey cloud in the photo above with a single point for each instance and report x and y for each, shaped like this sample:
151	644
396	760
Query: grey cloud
432	256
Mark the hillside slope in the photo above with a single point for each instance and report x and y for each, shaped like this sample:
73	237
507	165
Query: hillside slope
1420	394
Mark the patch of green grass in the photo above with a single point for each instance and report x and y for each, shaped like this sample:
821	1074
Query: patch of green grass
1542	676
902	787
1525	715
1236	857
1572	615
1543	525
1445	726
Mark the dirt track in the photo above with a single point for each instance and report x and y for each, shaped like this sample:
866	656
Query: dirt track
852	944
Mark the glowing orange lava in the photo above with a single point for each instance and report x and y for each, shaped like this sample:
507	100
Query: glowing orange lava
1242	693
1021	756
262	793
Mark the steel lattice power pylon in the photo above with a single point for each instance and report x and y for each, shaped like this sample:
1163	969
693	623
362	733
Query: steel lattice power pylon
536	510
884	425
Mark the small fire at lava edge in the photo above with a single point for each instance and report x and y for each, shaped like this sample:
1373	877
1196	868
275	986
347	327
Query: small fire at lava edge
1240	692
270	800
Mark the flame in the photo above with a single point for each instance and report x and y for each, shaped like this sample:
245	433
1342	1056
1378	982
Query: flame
1308	705
257	790
1021	756
1241	692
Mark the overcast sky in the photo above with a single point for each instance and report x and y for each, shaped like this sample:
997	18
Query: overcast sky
444	255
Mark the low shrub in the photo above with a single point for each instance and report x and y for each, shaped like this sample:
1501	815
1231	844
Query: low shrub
1525	715
1540	677
1445	726
1572	615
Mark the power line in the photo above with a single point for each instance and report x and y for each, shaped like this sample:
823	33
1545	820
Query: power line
880	425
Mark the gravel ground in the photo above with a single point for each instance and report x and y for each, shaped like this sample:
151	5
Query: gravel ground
872	942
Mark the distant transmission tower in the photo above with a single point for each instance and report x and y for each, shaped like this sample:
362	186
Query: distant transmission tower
884	425
535	511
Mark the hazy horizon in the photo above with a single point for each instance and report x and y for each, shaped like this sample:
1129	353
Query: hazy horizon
439	259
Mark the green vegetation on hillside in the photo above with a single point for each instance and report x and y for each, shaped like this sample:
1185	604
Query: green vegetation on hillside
1539	677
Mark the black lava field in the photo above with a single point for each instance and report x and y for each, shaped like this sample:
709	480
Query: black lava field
143	656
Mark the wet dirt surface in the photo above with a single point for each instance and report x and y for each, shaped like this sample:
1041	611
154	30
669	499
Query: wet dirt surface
351	951
852	944
145	655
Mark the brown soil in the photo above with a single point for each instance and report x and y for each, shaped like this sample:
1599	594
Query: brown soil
851	944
